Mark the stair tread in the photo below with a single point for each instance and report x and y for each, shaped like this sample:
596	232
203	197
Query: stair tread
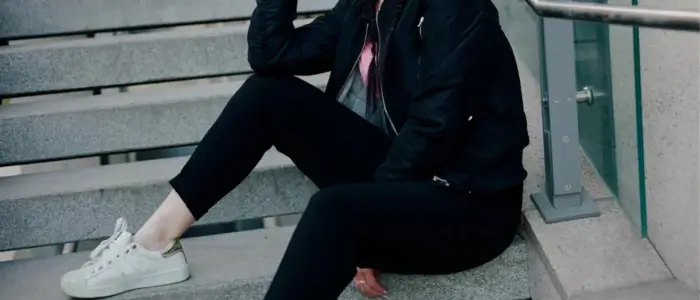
65	206
250	260
144	118
137	97
107	176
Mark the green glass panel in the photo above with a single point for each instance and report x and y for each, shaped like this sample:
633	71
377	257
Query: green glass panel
607	59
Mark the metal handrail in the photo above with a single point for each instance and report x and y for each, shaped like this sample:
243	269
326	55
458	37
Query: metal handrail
623	15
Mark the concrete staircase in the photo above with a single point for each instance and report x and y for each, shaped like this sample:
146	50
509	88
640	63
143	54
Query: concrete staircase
81	204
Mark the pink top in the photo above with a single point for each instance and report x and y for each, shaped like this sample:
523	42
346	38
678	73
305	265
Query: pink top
365	59
366	55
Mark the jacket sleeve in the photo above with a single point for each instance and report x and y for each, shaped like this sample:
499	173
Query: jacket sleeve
276	46
455	39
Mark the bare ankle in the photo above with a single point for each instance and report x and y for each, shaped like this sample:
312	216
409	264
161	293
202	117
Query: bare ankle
151	241
168	222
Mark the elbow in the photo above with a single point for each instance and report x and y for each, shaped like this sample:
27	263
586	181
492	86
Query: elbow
258	61
258	64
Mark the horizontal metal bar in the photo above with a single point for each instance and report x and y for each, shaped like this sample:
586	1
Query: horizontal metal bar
623	15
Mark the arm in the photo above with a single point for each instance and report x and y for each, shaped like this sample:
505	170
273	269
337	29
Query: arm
275	46
455	40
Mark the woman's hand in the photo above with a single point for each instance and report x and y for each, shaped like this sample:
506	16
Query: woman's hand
366	282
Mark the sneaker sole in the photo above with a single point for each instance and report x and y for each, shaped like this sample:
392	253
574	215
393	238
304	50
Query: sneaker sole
146	281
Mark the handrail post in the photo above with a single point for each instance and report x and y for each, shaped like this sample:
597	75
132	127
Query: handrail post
562	197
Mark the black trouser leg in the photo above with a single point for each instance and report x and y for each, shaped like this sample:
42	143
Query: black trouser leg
328	142
402	227
398	227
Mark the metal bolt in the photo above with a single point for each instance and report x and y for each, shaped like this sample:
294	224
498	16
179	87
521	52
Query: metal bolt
570	99
565	139
567	187
544	99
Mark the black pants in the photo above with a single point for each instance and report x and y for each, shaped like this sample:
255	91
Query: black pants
398	227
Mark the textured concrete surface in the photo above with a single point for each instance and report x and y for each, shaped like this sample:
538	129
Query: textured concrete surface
251	259
124	59
533	156
520	23
47	17
595	255
54	207
148	118
541	284
667	290
670	92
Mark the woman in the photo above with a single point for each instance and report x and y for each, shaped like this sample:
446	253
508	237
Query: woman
416	146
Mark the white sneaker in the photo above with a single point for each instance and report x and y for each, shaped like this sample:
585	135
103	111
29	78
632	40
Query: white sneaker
118	265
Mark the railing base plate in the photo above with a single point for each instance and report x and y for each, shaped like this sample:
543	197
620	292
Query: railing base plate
550	214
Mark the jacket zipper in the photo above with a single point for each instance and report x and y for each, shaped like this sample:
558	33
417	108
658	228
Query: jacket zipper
379	75
420	33
354	66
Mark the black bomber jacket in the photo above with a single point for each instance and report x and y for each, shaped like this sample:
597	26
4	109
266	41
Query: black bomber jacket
451	86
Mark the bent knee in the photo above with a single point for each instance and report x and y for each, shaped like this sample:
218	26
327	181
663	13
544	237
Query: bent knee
270	80
281	93
280	85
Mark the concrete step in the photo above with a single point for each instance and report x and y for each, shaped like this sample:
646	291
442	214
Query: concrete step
65	206
251	259
29	18
671	289
144	119
110	61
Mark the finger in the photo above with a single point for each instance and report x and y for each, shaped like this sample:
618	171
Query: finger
364	290
361	285
373	284
358	276
359	281
364	286
369	292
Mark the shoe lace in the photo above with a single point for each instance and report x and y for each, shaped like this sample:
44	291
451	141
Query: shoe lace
103	250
